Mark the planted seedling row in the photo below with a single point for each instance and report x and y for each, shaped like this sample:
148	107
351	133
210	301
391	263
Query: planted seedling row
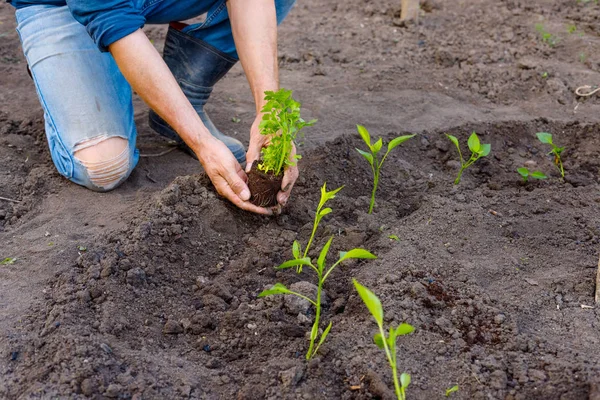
282	123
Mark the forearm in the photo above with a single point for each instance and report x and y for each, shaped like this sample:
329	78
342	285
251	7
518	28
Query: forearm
254	26
150	77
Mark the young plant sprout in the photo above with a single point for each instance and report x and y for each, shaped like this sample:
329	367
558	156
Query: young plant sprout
524	172
546	138
478	150
386	343
372	158
302	259
451	390
281	122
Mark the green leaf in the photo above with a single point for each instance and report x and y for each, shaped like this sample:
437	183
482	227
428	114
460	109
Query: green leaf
394	237
405	380
371	301
326	196
364	134
8	261
485	149
524	172
404	329
356	253
295	263
324	212
366	155
377	146
277	288
453	139
544	137
538	175
558	150
474	143
324	335
378	340
398	141
323	254
296	249
451	390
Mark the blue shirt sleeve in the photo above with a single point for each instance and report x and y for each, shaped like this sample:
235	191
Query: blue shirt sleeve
107	21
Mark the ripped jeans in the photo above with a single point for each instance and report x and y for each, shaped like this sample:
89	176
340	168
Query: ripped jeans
86	100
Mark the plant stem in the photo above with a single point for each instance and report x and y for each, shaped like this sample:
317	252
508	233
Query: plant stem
457	180
560	165
310	354
375	183
312	235
388	354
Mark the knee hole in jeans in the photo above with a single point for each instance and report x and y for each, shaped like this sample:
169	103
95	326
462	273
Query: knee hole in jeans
106	160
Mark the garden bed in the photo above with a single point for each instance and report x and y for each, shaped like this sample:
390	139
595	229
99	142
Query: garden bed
150	291
491	273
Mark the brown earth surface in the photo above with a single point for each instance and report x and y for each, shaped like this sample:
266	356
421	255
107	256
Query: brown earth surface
150	291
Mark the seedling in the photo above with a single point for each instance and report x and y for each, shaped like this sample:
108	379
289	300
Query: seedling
524	172
394	237
281	122
478	150
451	390
545	75
546	138
386	343
546	36
8	261
372	158
572	28
302	259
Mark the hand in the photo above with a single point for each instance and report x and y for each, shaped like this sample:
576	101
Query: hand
257	142
227	175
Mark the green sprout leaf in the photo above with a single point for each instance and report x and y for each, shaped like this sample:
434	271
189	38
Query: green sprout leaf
364	134
474	143
394	237
378	340
524	172
326	196
404	329
8	261
295	263
366	155
296	249
324	212
453	139
405	380
377	146
371	301
356	253
323	337
544	137
323	255
451	390
538	175
484	150
277	288
398	141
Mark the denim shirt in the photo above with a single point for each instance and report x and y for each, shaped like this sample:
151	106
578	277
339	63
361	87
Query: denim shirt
106	21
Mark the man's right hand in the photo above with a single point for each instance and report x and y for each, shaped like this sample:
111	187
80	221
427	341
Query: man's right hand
227	175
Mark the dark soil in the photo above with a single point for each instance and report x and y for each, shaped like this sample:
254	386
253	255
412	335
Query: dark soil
150	291
263	187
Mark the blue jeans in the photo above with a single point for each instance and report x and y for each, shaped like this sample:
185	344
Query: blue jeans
85	98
